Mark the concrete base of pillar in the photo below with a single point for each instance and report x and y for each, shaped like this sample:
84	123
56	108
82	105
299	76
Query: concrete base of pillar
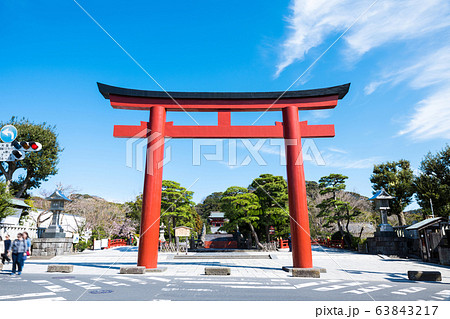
218	271
289	269
159	269
134	270
60	268
306	272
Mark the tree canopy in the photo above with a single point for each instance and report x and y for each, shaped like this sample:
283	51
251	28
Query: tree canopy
5	204
333	207
397	179
37	166
273	198
241	208
433	183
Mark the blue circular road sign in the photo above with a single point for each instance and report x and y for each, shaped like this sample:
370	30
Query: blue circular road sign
8	133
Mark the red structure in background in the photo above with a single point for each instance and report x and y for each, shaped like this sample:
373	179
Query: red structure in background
158	103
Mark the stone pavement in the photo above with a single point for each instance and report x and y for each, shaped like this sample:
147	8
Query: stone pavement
340	264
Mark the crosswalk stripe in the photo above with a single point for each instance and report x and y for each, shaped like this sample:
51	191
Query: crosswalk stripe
28	295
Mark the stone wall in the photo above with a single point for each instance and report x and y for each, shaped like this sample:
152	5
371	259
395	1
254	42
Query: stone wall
388	246
51	246
444	256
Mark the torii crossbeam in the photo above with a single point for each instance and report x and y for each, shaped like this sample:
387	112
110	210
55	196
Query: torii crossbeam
158	103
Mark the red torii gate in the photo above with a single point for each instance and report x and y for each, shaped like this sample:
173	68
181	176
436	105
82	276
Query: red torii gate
223	102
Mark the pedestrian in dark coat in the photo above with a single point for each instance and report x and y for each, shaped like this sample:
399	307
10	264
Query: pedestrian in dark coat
19	250
7	251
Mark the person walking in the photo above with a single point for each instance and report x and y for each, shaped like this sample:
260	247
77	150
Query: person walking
19	249
28	242
2	246
7	249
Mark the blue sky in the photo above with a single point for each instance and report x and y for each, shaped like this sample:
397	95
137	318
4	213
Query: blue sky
396	55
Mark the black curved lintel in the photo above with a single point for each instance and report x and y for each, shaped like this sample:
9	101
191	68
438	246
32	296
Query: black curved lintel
340	90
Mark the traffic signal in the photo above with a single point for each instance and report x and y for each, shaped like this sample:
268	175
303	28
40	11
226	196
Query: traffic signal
17	155
27	146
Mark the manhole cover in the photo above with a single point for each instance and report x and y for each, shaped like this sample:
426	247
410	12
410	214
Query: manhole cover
64	277
100	291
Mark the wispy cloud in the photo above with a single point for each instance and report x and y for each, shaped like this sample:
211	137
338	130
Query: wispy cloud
311	22
431	116
345	162
337	150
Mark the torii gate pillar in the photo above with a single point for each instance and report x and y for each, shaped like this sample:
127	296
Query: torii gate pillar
151	200
298	206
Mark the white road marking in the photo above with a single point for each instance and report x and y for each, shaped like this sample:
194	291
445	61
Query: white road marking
50	286
443	293
141	282
315	283
81	284
341	286
110	282
223	282
261	287
410	290
186	289
29	295
158	279
438	298
361	291
48	299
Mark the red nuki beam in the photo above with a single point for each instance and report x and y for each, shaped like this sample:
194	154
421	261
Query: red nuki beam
223	130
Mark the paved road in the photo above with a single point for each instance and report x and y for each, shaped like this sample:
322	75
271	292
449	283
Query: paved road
147	287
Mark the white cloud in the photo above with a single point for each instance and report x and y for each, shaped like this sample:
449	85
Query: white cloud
312	21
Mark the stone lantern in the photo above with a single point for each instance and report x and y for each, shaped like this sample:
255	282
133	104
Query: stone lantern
381	199
57	201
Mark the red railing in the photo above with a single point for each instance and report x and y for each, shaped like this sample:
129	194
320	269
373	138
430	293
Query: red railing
116	243
328	243
283	243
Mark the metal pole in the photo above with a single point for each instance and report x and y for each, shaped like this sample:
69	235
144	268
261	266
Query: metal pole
151	201
298	206
432	212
